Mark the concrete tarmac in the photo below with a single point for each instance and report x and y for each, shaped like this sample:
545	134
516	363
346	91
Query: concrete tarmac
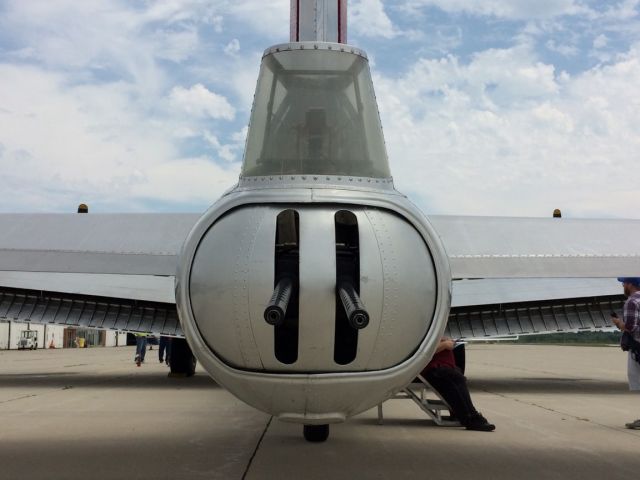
91	413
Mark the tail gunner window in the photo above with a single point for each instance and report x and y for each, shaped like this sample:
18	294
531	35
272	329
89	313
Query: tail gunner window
315	112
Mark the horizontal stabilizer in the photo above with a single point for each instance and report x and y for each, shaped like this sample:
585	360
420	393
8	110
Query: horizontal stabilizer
131	287
505	247
127	244
494	291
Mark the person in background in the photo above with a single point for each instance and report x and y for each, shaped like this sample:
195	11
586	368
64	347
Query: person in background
631	323
141	348
443	375
164	349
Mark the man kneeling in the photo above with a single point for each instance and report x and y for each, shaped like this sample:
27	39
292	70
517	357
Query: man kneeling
451	384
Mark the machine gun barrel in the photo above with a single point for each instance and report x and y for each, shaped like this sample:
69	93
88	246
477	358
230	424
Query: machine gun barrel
353	306
277	309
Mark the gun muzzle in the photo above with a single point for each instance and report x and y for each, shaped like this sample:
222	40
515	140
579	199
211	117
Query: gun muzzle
277	309
353	306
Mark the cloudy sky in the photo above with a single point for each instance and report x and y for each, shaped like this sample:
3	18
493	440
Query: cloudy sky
508	107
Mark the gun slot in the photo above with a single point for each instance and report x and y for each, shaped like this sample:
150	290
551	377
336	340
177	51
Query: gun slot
347	286
282	311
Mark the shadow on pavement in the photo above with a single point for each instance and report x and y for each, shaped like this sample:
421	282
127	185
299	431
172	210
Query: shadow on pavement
561	386
133	380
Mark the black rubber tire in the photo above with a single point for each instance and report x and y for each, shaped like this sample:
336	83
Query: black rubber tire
181	361
315	433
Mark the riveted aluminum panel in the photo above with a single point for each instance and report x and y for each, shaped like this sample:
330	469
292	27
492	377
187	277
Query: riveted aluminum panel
504	247
371	288
260	286
219	282
317	289
410	284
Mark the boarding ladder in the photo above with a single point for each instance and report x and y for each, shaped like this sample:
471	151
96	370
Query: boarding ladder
417	391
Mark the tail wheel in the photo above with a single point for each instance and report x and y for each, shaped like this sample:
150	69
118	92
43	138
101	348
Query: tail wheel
315	433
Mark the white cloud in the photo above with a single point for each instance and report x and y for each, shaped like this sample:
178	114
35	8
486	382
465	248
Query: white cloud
241	78
201	103
563	48
493	78
495	131
88	111
233	47
79	33
600	41
62	145
512	9
176	46
505	134
190	180
229	152
270	19
624	10
368	19
59	139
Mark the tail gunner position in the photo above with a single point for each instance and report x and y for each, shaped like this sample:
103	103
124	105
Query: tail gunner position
314	290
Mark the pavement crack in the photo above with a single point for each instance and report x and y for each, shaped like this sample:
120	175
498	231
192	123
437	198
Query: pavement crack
18	398
522	369
558	412
255	451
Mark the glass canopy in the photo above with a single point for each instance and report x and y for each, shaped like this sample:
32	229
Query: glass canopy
315	112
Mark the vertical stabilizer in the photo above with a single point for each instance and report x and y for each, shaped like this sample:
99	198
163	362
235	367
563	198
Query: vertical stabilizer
319	21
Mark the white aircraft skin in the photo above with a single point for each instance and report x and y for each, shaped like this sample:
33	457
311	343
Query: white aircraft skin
313	290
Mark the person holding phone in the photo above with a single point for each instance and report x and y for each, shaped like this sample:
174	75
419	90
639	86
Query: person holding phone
630	322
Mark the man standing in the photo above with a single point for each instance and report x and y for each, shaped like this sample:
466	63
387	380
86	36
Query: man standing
631	323
141	347
164	349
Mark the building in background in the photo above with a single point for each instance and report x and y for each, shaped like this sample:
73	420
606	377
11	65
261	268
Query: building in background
58	336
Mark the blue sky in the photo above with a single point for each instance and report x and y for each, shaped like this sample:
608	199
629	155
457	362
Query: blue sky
507	107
